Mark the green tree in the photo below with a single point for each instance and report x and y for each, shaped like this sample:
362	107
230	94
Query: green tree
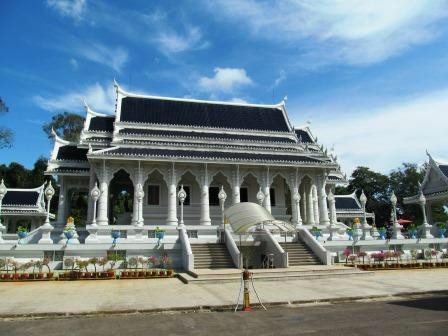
376	188
6	134
66	125
404	181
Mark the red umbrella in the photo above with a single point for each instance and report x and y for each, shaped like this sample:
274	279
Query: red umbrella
403	221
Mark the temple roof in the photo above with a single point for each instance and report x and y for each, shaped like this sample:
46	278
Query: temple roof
303	136
166	111
102	124
204	135
444	169
21	197
347	202
205	154
71	153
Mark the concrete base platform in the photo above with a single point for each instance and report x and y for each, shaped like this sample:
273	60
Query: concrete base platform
276	274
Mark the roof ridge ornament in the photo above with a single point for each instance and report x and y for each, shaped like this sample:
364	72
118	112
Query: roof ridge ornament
58	139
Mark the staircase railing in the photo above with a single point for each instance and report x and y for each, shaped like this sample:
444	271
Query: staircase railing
187	253
323	255
273	247
233	249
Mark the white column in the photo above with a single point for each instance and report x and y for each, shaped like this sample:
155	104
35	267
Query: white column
310	206
315	206
303	199
322	197
205	204
267	191
103	202
295	206
425	228
172	197
62	214
236	184
92	180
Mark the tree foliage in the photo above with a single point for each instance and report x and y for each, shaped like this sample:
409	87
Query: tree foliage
66	125
6	134
403	181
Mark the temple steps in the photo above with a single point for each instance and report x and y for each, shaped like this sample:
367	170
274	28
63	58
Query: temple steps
211	256
299	254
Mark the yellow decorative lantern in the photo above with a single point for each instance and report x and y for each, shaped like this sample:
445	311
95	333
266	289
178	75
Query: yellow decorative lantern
356	221
70	221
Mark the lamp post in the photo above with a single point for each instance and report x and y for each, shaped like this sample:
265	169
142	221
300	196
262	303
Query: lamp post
425	227
182	195
222	196
296	199
396	233
260	197
365	226
47	227
49	193
95	194
3	192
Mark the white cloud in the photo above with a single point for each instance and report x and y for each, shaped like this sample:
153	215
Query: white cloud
71	8
99	98
170	42
384	137
74	63
347	31
114	58
281	78
238	100
225	80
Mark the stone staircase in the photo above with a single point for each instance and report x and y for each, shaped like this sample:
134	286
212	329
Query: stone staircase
211	256
299	254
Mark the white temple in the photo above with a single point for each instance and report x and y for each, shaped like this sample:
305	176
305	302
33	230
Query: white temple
178	164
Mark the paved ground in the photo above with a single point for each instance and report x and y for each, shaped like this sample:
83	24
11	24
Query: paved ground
422	316
118	295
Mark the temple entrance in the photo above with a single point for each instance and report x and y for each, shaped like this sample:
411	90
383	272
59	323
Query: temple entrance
77	206
121	198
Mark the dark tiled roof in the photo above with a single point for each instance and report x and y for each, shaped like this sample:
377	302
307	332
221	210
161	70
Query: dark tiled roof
201	135
17	197
334	178
102	124
304	136
444	169
346	203
175	112
73	153
171	153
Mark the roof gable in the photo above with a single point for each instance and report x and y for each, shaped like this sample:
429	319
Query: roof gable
21	197
204	114
72	153
346	202
102	124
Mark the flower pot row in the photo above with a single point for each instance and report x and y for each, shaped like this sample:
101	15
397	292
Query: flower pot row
25	276
392	266
145	274
76	275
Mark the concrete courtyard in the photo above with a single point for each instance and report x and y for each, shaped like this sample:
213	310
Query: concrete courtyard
114	296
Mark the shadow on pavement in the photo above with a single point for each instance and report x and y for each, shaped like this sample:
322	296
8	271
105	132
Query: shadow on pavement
439	303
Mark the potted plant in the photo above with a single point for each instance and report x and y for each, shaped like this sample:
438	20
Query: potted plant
113	258
103	262
2	267
70	263
442	229
412	230
142	262
153	261
22	232
46	263
349	231
93	261
382	233
362	254
316	232
159	234
133	262
414	255
347	251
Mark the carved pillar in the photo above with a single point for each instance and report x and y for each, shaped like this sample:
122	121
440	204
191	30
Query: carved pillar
205	205
172	200
303	199
295	181
92	181
266	186
322	197
315	206
310	205
236	184
62	214
103	201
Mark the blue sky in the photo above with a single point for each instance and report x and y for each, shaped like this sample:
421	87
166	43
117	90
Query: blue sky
370	76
